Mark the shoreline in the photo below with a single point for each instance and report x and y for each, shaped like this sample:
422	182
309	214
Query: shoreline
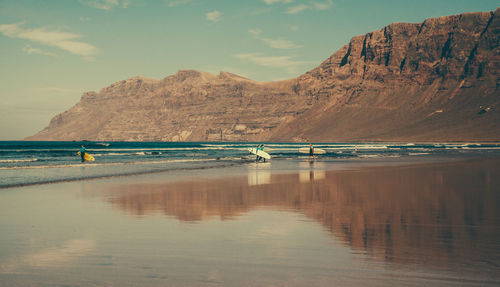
275	166
367	141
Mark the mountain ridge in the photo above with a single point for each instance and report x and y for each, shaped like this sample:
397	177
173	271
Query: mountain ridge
438	80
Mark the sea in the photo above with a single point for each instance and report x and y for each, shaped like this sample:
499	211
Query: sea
38	162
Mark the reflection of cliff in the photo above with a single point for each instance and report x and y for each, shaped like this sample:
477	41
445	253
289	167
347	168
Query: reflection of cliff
409	213
426	213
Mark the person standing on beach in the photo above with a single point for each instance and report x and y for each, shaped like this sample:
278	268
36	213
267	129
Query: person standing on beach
82	153
256	151
262	149
311	152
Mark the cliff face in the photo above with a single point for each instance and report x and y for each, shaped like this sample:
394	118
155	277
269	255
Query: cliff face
436	80
187	106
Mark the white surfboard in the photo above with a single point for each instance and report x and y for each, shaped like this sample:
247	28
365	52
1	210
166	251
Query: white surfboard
316	150
260	153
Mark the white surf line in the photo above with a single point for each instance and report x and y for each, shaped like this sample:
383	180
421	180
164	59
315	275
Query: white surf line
17	160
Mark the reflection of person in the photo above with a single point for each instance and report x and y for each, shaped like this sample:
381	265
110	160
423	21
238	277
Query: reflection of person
311	152
82	153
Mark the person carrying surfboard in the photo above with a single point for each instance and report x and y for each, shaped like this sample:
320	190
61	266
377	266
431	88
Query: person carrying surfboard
256	151
311	152
262	149
82	153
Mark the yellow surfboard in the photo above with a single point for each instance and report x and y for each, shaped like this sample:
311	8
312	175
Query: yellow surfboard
87	157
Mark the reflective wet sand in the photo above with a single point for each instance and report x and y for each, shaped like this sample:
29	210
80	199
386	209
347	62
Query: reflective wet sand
424	224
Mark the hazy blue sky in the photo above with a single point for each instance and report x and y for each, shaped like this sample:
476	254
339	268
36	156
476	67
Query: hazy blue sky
53	51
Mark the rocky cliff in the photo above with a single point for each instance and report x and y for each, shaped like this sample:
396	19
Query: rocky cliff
433	81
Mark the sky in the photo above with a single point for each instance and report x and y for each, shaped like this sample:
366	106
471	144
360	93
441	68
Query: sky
53	51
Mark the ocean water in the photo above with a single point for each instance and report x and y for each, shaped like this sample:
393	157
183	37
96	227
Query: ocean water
27	162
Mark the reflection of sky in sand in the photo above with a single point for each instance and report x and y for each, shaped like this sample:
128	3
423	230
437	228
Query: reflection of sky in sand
62	256
259	173
311	171
311	175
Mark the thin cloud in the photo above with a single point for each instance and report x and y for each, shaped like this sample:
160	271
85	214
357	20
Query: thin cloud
213	16
62	40
279	43
255	32
30	50
297	9
318	6
101	4
261	11
107	4
270	2
287	63
126	3
178	3
322	6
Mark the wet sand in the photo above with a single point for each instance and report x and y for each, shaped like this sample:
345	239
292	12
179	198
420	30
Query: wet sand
275	224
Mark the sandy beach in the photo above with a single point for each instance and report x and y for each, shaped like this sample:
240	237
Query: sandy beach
289	223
